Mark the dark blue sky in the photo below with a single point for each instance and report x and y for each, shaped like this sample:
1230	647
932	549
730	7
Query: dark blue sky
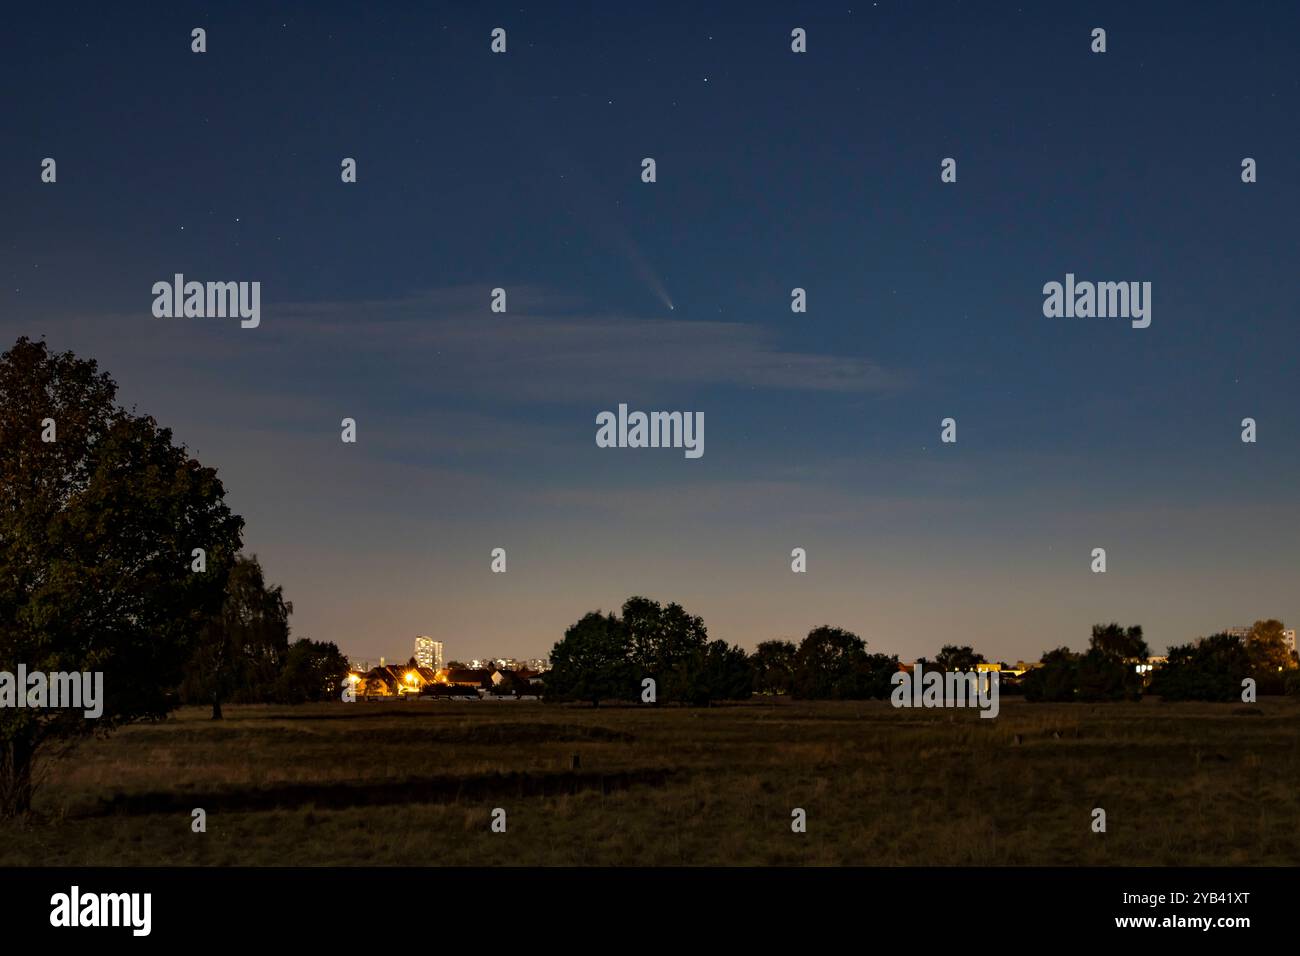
775	170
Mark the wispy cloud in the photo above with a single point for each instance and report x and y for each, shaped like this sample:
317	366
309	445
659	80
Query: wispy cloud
547	349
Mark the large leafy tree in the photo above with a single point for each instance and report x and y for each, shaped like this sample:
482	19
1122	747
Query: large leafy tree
714	672
313	670
1120	643
1268	648
1104	672
243	648
1104	677
954	658
99	515
1211	668
663	641
773	664
592	662
871	678
828	662
1056	680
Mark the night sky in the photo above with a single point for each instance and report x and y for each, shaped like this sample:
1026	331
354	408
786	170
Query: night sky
775	170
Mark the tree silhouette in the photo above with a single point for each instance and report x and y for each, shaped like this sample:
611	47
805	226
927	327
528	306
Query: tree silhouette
1209	669
313	670
97	531
954	658
592	662
1119	642
242	649
833	663
1268	648
773	663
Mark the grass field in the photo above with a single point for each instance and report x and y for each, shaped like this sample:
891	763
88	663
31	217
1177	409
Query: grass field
416	783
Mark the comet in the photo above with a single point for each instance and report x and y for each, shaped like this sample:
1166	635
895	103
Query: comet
592	206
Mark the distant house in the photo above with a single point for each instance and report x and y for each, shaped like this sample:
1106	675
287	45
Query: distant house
1147	666
376	682
525	676
395	681
465	677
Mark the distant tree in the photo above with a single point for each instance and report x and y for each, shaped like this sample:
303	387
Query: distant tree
1118	642
1268	648
871	678
1105	672
714	672
457	666
243	647
953	658
1209	669
1056	680
663	640
97	529
829	664
593	662
1103	677
604	656
773	663
313	671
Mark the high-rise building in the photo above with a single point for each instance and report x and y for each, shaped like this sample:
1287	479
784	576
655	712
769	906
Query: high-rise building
428	653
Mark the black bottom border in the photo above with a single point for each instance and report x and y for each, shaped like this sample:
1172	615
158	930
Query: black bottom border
387	906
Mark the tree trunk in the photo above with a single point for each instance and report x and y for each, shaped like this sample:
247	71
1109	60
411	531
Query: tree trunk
16	757
216	708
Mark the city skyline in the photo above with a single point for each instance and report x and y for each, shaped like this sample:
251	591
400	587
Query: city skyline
430	653
477	430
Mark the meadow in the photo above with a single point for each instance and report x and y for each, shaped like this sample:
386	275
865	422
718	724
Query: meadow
416	783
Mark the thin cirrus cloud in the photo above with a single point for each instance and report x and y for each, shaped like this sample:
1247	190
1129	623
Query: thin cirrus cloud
551	350
446	345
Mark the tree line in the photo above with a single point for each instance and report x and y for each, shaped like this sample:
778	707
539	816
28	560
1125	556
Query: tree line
608	656
1211	668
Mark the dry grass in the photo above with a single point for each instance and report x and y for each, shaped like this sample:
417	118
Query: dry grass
415	784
